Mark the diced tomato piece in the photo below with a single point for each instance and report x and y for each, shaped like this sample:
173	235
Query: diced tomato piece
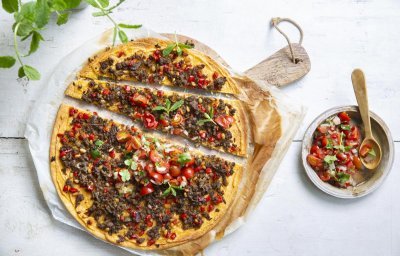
341	156
364	150
188	172
149	121
122	136
133	143
324	176
357	162
324	141
105	92
138	99
354	133
224	120
177	120
344	117
314	161
148	189
323	129
154	156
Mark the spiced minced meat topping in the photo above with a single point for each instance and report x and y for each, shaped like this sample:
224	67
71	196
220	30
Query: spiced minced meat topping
154	67
203	120
139	187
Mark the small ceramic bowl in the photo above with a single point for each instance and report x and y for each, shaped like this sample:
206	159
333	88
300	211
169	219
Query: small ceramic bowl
382	135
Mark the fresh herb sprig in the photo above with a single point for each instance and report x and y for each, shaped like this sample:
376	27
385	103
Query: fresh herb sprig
176	45
171	190
208	117
168	108
105	10
33	16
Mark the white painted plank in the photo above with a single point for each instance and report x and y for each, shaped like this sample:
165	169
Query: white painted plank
339	35
294	217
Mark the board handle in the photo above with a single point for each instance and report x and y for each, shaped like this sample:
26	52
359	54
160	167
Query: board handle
276	21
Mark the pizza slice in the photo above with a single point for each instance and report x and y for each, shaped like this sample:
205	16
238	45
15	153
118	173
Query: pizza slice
160	62
133	189
212	122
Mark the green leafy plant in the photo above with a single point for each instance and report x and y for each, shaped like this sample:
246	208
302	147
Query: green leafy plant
168	108
171	190
176	45
208	117
32	17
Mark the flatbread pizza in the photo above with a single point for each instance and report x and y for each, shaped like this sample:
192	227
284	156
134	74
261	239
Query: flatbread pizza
209	121
158	62
134	189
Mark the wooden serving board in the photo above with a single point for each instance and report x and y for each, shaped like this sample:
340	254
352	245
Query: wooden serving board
278	69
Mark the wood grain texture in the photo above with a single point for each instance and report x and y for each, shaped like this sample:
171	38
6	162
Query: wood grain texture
279	69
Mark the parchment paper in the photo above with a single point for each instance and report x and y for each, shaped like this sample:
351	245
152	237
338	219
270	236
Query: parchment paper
266	154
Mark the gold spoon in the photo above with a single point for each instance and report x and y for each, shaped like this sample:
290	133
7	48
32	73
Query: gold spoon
360	90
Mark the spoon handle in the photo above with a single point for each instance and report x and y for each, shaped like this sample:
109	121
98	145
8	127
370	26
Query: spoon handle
360	90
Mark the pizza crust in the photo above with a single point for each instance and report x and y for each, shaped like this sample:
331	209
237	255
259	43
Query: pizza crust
62	123
239	128
146	45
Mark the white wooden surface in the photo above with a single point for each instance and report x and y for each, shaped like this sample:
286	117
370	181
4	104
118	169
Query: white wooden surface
294	218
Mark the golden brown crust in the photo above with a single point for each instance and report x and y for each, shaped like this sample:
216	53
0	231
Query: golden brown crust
146	45
239	129
62	123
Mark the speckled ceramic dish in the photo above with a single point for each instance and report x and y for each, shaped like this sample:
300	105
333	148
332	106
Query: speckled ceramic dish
375	179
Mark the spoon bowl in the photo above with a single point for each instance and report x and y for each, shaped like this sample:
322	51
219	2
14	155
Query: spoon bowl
369	143
371	163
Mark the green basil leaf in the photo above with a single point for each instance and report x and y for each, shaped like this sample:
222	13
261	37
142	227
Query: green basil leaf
211	113
177	105
330	159
343	177
168	104
99	14
62	18
177	187
10	6
72	3
168	49
27	36
21	72
122	25
26	13
159	108
185	46
184	158
207	116
173	191
128	162
166	192
7	61
98	143
95	153
36	38
125	175
122	36
42	13
179	50
345	127
372	152
103	3
31	72
25	28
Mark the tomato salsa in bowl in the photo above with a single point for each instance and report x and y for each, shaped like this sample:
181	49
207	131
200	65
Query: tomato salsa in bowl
331	153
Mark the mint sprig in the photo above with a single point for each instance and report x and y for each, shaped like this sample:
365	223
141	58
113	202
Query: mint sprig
33	16
168	108
208	117
176	45
102	5
171	190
